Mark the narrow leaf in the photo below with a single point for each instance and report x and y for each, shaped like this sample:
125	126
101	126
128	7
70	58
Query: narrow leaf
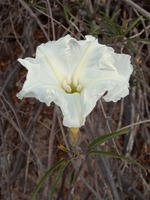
56	178
137	39
114	155
105	137
115	14
132	25
43	179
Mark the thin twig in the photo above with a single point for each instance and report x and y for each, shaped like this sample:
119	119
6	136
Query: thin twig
15	34
138	8
6	164
52	19
134	124
34	16
103	163
50	152
59	23
23	135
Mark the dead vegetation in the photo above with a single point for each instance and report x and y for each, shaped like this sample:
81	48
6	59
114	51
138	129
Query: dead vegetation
30	131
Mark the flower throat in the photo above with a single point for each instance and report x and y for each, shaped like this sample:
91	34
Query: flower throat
71	85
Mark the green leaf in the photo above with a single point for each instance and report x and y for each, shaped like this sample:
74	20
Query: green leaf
71	197
43	179
114	155
112	38
106	137
137	39
56	178
115	14
132	25
130	46
110	26
72	177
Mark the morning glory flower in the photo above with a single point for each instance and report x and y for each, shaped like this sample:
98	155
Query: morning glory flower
74	75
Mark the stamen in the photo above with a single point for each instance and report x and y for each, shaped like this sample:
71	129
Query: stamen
68	89
79	88
64	83
71	86
69	79
75	82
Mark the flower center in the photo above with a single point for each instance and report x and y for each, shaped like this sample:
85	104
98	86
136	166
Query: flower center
71	85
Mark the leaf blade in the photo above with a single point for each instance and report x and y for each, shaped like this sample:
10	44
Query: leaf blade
114	155
56	179
105	137
43	179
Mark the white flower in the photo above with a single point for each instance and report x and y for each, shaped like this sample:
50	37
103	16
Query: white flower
75	74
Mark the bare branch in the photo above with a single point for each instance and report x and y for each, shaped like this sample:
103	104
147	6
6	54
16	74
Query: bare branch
138	8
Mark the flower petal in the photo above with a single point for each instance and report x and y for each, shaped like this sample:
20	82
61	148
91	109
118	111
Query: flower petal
72	108
86	66
67	55
108	73
61	55
40	80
